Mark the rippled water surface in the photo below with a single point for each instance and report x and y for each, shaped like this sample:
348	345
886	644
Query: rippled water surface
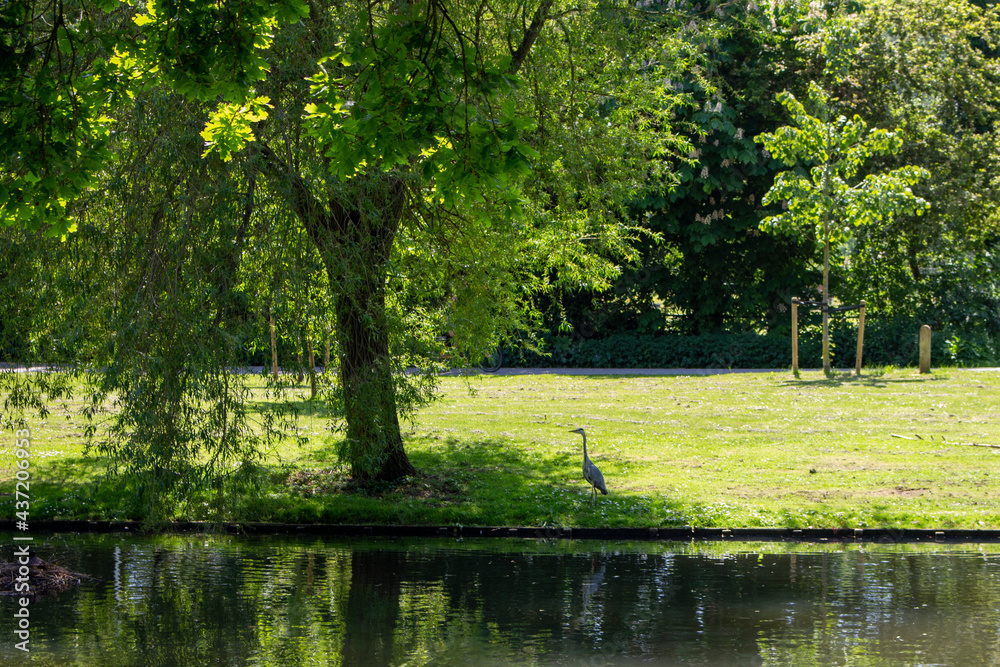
220	600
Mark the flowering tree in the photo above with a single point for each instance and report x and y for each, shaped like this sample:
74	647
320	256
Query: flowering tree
821	190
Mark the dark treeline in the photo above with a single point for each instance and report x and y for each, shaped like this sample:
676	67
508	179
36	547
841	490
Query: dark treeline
925	69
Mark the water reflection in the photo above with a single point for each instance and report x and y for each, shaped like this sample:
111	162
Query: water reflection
184	600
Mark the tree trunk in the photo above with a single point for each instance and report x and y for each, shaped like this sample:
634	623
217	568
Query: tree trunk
356	247
354	234
827	370
302	360
374	443
911	260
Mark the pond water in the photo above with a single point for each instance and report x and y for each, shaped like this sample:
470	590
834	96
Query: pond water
224	600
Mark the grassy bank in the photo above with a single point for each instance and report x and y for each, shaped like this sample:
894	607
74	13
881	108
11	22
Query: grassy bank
889	449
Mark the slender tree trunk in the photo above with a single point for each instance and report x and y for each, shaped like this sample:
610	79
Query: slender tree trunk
826	302
312	366
826	263
302	359
911	260
274	347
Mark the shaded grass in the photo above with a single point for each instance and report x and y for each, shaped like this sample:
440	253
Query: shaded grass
734	450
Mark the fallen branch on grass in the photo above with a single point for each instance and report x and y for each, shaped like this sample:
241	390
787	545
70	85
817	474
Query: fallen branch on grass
966	444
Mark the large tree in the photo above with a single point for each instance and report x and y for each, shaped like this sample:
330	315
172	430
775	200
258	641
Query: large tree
414	123
397	136
945	99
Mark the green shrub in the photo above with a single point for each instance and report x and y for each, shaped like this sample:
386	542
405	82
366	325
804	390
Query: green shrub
892	343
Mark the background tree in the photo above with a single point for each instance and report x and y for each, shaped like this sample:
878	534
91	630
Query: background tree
706	268
714	267
943	101
891	64
820	192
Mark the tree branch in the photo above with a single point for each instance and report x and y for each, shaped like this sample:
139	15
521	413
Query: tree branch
289	184
530	35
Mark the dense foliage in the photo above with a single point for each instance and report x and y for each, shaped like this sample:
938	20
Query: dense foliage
353	176
925	70
891	343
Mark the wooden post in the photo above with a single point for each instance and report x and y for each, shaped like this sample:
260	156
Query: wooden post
274	347
861	338
795	336
925	349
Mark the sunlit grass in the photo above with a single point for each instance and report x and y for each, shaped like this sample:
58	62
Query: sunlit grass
889	449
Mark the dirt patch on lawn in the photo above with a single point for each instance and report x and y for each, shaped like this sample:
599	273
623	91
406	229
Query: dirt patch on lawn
329	482
831	494
899	492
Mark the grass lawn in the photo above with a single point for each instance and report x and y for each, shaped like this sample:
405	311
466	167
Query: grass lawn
889	449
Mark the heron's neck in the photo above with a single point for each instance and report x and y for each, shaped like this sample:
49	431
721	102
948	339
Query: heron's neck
584	444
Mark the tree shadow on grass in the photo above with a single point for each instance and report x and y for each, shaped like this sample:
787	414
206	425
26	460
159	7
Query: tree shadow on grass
494	482
468	481
464	460
297	407
69	472
872	379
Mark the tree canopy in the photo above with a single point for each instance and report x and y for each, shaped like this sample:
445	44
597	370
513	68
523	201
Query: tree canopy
926	71
396	138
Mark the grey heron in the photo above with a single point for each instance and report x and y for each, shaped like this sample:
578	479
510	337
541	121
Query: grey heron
590	471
